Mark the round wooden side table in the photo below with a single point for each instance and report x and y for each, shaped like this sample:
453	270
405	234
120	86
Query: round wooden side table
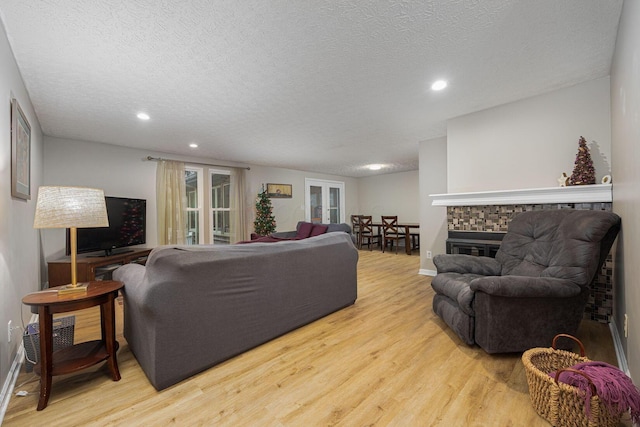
78	356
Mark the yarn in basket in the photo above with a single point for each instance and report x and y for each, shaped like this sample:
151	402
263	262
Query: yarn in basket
615	389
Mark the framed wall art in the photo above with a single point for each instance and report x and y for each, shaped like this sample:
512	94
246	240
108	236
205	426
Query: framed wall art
282	191
20	153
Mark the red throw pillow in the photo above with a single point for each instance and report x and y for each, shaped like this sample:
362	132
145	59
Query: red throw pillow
318	230
304	230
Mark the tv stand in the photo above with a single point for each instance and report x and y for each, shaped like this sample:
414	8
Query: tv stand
110	252
92	268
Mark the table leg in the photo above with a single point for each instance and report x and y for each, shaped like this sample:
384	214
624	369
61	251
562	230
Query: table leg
45	320
108	320
407	240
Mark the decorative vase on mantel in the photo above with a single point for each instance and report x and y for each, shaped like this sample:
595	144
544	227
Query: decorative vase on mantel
563	181
583	172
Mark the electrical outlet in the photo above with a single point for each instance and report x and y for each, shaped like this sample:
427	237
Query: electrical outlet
429	254
9	331
626	325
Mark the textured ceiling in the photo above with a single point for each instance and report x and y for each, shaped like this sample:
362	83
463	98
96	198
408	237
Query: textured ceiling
325	86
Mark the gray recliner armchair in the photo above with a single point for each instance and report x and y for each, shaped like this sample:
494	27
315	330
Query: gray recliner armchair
536	287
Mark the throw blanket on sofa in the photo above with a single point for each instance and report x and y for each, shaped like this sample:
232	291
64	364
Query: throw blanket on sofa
267	239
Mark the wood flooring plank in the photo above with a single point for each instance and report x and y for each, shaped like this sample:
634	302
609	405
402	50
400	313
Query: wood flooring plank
388	360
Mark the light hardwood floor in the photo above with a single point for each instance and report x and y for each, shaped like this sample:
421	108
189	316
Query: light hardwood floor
387	360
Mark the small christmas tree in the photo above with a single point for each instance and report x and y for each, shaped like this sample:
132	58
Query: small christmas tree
265	222
583	171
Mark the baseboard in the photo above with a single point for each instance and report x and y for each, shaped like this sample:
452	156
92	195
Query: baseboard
622	358
425	272
617	345
10	382
12	377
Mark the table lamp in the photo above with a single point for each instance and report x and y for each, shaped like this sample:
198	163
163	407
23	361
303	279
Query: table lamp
72	208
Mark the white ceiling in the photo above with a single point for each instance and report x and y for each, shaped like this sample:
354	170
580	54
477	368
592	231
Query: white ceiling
325	86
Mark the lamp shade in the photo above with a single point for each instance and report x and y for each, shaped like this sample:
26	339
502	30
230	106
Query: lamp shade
66	207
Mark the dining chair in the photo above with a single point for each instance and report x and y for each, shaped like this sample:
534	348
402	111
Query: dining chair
415	239
366	232
355	226
391	232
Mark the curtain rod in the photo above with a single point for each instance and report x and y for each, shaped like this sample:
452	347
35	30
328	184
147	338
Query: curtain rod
158	159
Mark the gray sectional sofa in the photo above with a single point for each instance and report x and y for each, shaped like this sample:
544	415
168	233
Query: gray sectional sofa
192	307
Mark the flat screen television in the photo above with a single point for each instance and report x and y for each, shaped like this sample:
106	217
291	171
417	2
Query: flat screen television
127	227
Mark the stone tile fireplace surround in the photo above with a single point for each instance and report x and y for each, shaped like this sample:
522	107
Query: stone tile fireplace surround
483	216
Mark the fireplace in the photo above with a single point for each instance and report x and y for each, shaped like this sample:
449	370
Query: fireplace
477	243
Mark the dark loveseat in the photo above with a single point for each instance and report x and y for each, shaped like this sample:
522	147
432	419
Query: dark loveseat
306	229
536	287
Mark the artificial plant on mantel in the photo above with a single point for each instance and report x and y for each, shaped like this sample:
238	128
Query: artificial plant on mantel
265	222
583	171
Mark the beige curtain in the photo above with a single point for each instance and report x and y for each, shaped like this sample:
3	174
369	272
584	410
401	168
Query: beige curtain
237	215
171	196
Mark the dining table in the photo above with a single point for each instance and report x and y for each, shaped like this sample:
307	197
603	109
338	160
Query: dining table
407	226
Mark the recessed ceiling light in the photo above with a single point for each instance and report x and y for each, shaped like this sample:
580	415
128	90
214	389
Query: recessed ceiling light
193	145
374	167
143	116
439	85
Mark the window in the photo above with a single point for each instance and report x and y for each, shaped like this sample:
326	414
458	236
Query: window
220	207
193	178
214	227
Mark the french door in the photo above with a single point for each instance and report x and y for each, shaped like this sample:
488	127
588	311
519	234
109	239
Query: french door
324	201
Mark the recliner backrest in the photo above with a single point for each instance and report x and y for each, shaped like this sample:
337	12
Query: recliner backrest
569	244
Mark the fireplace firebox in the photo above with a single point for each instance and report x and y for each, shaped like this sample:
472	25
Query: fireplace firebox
477	243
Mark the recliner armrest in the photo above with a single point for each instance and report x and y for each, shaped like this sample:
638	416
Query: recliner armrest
463	264
525	287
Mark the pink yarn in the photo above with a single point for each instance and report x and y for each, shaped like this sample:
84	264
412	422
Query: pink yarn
613	387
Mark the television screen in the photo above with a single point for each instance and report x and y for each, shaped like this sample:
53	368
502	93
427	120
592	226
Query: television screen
127	227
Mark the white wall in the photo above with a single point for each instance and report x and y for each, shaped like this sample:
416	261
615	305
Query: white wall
529	143
20	266
625	107
433	219
390	194
119	171
124	172
288	212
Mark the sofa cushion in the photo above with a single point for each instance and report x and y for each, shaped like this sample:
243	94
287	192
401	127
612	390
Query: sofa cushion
304	230
318	229
332	228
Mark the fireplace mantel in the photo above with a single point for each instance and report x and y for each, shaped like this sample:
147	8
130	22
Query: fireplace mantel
573	194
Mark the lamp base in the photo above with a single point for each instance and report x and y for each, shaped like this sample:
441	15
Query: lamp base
80	288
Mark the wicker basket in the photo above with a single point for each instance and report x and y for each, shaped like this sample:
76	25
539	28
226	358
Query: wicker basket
557	402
